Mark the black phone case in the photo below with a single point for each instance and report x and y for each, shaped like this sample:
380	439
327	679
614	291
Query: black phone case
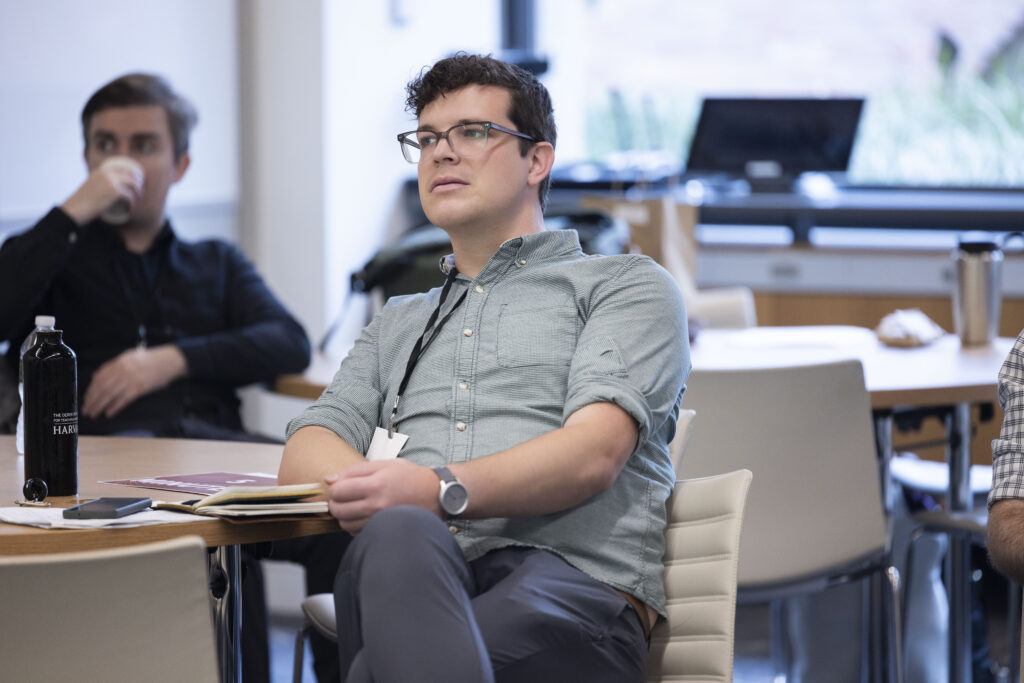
107	508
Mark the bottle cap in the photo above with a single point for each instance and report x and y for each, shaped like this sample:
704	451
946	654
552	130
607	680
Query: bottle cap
45	321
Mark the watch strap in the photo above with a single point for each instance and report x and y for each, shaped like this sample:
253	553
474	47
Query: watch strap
445	474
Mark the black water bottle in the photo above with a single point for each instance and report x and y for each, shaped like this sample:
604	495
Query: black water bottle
51	414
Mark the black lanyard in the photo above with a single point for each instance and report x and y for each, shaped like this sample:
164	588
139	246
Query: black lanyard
424	341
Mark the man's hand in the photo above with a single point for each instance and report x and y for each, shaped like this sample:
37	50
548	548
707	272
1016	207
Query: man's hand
359	491
104	186
132	374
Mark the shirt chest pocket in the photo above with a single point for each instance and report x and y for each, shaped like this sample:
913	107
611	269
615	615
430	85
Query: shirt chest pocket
537	334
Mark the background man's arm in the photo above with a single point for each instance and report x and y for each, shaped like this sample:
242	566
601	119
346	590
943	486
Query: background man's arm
260	340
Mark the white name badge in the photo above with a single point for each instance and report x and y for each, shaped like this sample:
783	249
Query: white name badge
383	447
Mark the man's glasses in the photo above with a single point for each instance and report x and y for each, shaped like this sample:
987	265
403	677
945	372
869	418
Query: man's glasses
465	140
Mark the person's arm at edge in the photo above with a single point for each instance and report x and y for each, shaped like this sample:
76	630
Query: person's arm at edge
1006	537
1005	534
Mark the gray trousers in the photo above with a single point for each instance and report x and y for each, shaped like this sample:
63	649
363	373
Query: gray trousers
411	608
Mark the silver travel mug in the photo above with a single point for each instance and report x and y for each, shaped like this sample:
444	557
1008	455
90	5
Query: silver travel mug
977	295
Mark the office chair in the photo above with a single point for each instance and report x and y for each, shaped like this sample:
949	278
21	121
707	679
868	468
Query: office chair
815	518
701	557
138	613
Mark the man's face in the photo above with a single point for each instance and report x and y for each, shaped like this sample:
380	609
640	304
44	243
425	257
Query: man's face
489	189
144	134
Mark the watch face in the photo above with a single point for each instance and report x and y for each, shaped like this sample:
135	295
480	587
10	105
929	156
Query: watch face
455	499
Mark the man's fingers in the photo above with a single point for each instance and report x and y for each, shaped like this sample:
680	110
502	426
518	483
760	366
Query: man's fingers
118	402
109	392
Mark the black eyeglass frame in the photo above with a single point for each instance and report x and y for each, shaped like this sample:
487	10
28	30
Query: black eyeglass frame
408	138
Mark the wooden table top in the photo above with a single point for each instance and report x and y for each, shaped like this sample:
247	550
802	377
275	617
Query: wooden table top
110	458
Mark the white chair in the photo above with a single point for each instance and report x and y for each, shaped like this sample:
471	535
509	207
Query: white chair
702	543
139	613
815	518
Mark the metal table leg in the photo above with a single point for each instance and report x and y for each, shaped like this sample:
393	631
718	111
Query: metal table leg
958	428
883	446
226	589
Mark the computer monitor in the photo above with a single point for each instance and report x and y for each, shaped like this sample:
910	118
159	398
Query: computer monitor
774	138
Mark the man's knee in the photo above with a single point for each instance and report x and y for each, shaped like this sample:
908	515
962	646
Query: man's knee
398	543
401	521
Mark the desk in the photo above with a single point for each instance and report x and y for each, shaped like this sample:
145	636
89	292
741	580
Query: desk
107	458
940	375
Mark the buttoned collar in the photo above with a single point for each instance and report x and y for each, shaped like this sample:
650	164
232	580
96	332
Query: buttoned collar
523	252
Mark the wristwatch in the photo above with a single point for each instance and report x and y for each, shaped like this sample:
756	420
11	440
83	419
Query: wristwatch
453	495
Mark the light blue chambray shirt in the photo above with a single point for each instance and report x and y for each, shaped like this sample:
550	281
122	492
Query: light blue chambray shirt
544	331
1008	449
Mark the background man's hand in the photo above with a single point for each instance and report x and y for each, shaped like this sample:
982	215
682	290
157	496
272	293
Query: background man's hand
359	491
132	374
104	186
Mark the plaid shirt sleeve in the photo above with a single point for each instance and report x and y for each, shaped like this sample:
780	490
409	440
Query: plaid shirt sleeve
1008	449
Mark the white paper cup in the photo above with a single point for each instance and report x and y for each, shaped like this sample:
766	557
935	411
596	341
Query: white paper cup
120	211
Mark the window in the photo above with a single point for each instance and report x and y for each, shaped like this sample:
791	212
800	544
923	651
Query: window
941	78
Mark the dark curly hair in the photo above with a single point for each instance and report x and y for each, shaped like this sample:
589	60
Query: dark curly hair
531	111
139	89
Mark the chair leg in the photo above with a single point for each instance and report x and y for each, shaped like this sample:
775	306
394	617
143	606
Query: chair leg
779	640
300	650
1013	629
894	627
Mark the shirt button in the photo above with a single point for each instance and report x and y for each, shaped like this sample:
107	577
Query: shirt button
72	237
467	332
463	384
479	289
522	262
453	529
461	426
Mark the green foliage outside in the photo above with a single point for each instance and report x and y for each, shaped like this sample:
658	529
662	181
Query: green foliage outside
966	130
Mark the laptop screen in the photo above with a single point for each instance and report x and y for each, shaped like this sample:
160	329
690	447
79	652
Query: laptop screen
789	136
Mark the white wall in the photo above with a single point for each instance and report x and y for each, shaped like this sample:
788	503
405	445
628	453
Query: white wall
372	50
55	53
323	91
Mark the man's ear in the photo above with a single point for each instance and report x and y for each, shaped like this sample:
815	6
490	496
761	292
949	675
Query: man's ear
181	165
542	158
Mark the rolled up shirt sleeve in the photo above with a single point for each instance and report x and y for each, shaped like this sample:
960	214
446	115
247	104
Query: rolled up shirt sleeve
351	405
633	350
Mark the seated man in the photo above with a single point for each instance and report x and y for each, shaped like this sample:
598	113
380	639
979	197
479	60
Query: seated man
518	535
165	330
1006	499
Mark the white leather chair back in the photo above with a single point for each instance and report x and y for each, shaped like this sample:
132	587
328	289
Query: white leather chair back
139	613
703	536
807	435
